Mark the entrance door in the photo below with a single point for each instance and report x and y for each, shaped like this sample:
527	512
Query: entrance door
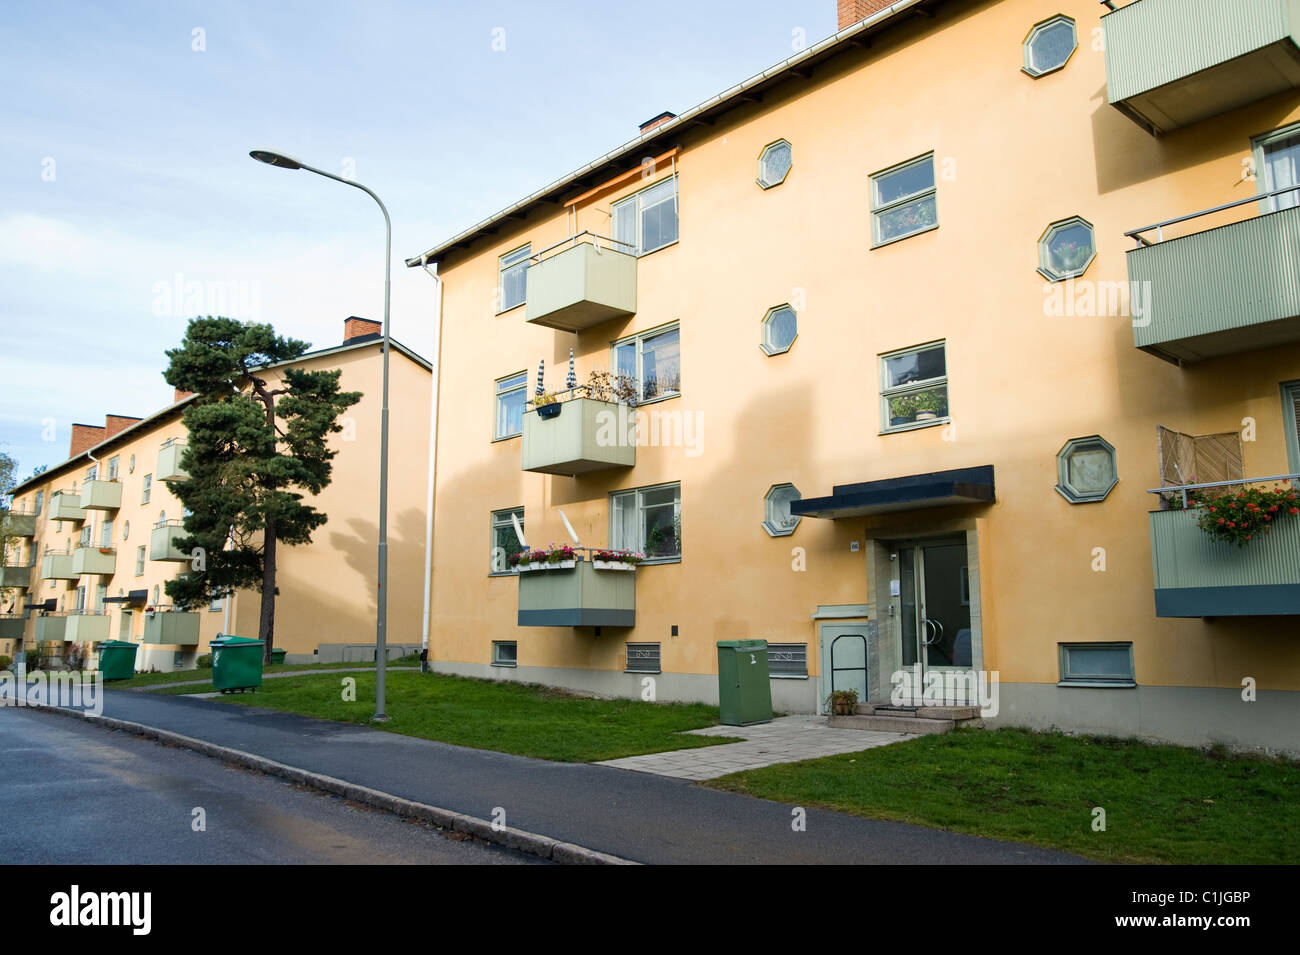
934	596
844	659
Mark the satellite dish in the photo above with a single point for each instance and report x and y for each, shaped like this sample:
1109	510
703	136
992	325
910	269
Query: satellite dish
573	535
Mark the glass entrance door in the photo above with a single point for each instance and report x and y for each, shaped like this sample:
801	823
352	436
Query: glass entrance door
934	598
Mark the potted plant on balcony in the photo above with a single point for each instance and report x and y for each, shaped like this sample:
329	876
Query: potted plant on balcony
623	560
547	405
842	702
606	386
1240	516
560	557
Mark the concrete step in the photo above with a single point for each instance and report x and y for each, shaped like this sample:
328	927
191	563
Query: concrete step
892	724
920	712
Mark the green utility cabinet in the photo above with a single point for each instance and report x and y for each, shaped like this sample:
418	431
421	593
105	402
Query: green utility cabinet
277	655
117	659
236	663
744	688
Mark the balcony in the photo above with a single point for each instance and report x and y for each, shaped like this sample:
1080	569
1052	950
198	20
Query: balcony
1197	576
86	627
57	565
587	435
12	626
582	286
1230	289
51	629
22	525
13	575
66	506
174	627
101	495
578	596
1171	63
169	462
92	559
162	541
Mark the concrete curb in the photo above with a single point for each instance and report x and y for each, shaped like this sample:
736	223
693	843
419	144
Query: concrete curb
565	853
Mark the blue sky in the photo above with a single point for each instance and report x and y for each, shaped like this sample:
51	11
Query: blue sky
124	171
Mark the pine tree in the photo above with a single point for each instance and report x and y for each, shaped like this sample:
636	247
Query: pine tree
255	447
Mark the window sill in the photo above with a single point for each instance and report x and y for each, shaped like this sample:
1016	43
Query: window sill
513	307
1099	684
659	561
915	426
900	238
656	399
508	437
505	666
642	255
501	573
788	676
652	672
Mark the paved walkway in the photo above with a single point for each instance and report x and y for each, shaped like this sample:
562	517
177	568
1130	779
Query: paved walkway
314	671
639	816
786	739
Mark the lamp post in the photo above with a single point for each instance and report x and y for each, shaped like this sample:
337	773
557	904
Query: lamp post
381	616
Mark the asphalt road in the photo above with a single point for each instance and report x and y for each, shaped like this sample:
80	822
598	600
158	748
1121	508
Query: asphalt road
72	793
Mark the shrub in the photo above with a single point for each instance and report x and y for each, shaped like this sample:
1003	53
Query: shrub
5	662
203	661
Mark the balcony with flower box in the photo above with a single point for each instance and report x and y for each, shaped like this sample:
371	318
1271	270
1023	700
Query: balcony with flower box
162	541
1199	573
173	627
576	587
86	627
169	461
573	432
57	565
66	506
583	285
1228	289
94	559
1171	63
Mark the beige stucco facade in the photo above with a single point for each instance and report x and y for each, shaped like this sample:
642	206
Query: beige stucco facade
1013	153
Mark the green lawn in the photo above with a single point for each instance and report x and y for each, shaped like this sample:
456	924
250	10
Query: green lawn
507	717
1163	803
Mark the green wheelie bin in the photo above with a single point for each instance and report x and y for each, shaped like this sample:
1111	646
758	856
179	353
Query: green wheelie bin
116	659
236	663
744	690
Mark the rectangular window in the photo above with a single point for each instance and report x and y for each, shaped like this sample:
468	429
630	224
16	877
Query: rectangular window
513	283
139	561
647	220
1291	420
178	660
40	500
511	394
112	468
81	599
914	387
101	594
92	472
216	603
1097	664
654	359
106	534
504	541
1277	158
85	537
643	658
505	653
787	660
648	520
148	489
903	201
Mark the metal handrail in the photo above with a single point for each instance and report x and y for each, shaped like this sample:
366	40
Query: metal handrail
1184	488
537	256
1159	226
170	441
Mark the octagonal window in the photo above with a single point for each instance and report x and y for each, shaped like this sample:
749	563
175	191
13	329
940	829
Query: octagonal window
774	163
1085	469
1049	45
776	504
780	328
1066	249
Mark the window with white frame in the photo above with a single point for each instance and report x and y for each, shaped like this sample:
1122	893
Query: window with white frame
1291	417
112	468
648	520
216	603
513	282
40	500
101	594
1097	664
647	220
654	359
504	540
511	396
1277	161
505	653
147	489
106	534
139	561
914	387
81	600
903	201
84	541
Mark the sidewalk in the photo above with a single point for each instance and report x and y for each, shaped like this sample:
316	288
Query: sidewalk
635	815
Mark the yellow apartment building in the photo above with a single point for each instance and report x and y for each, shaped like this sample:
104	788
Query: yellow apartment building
96	533
918	320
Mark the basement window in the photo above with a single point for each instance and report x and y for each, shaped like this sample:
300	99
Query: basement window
787	661
1097	664
505	653
643	658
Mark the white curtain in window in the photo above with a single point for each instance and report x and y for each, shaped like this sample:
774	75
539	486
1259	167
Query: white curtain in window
1282	169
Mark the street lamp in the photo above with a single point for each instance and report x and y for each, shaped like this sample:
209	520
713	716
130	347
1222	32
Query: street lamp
381	618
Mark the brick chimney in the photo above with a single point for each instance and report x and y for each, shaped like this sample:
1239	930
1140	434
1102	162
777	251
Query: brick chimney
355	328
113	423
84	436
179	395
654	121
851	11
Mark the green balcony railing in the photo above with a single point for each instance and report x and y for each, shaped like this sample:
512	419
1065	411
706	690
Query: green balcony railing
162	541
13	575
12	626
586	435
179	628
86	627
584	285
22	525
56	565
1171	63
169	462
1229	289
1198	576
578	596
66	506
51	628
93	559
101	495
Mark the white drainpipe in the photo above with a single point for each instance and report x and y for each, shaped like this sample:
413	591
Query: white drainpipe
434	361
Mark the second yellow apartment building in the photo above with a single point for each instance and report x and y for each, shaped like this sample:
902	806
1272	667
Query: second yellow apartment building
95	533
918	318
